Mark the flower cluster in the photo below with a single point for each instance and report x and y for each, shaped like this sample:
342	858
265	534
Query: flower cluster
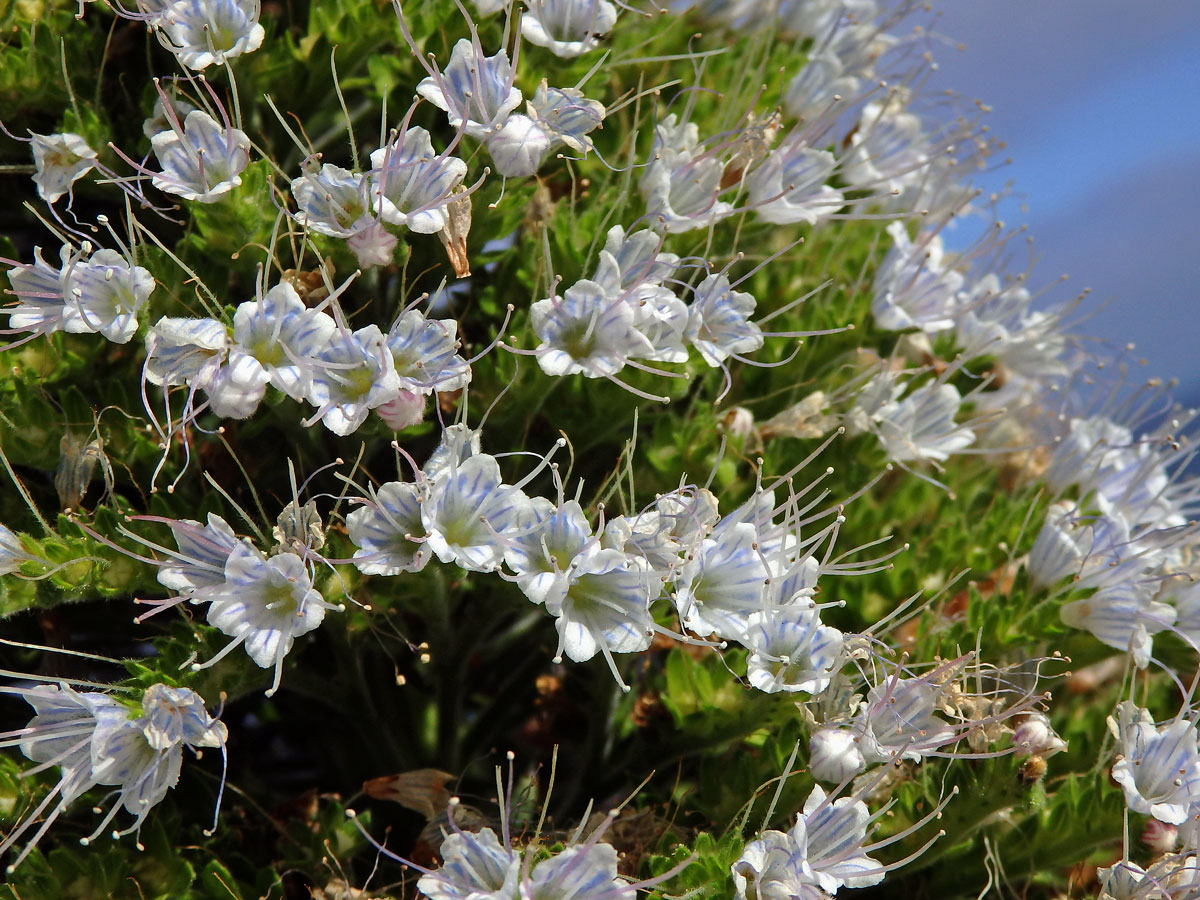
620	199
94	738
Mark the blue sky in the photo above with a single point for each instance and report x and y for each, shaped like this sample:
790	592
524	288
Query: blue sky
1099	104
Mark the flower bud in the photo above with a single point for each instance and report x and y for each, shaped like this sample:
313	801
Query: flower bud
1035	737
834	756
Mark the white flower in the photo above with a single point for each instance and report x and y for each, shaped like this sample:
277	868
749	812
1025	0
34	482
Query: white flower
101	294
606	607
898	720
351	375
38	288
466	510
412	184
1123	615
821	853
202	161
835	832
628	260
264	604
567	28
1035	737
177	716
834	754
1159	768
566	114
459	443
913	287
425	353
106	294
202	33
889	150
824	76
474	89
541	552
475	866
772	867
723	582
682	182
789	185
519	146
791	650
586	331
719	323
333	201
94	739
282	336
583	872
919	426
662	319
203	552
383	529
60	160
12	554
185	351
673	524
236	389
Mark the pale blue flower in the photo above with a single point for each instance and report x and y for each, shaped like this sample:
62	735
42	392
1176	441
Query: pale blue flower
565	113
476	91
94	739
719	323
425	353
185	351
351	375
1123	615
466	511
59	161
811	92
202	161
898	720
723	583
518	146
237	388
202	554
567	28
541	552
202	33
662	319
38	287
583	872
628	260
789	185
384	528
283	336
91	293
835	832
412	185
264	604
475	866
914	286
682	181
174	715
790	650
606	607
459	442
333	201
586	331
1159	767
106	294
